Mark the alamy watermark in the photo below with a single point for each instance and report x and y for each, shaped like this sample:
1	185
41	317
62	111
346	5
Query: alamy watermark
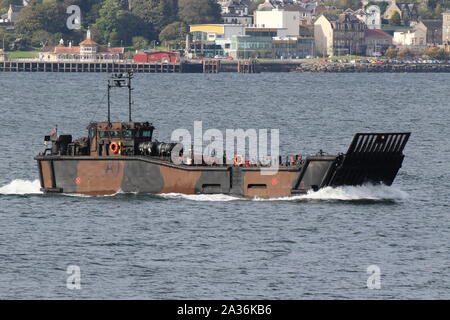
73	281
74	20
251	146
374	279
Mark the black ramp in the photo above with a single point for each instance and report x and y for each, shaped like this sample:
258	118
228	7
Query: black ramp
371	157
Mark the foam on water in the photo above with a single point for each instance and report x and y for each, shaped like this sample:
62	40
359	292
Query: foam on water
200	197
346	193
21	187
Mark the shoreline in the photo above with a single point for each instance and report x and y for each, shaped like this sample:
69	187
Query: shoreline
375	68
219	66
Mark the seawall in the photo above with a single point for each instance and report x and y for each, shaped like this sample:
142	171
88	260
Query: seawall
368	67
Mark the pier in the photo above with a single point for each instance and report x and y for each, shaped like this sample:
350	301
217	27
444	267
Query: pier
186	66
41	66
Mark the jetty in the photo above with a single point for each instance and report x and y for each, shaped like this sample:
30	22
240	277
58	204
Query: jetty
184	66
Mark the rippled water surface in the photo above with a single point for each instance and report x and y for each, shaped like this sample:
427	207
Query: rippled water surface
195	246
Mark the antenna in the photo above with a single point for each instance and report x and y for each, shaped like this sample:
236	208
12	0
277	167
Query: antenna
120	80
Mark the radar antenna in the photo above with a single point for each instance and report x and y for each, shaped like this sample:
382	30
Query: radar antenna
120	80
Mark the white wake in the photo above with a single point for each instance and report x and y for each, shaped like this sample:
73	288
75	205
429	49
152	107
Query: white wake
346	193
200	197
21	187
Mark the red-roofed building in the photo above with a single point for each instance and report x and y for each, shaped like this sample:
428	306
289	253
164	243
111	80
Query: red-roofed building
156	56
88	51
377	42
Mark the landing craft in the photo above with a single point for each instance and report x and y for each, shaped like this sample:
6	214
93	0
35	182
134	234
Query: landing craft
123	156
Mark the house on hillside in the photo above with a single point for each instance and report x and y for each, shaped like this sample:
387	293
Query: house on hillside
342	34
235	12
432	29
371	16
407	11
12	15
413	38
446	29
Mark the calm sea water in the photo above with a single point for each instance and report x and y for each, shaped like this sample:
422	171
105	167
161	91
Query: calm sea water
177	246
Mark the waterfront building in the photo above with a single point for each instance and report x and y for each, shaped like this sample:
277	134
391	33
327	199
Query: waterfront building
377	42
238	41
245	47
446	29
412	38
278	18
88	51
306	16
156	57
341	34
432	29
211	40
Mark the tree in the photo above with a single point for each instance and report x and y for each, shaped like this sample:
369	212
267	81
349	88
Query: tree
41	38
395	20
438	11
108	20
4	4
7	37
405	53
140	43
157	13
48	16
131	26
253	5
175	31
89	9
436	53
116	26
199	11
391	53
345	4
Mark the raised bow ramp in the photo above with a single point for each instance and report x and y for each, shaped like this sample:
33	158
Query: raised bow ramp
371	158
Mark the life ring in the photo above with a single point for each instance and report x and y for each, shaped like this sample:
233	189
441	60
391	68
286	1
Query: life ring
114	148
238	160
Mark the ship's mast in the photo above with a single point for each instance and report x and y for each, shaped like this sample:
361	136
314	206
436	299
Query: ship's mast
120	80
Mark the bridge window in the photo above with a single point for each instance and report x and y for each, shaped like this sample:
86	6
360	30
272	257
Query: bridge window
147	133
128	134
115	134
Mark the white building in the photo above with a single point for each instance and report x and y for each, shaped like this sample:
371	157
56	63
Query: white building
12	15
410	38
371	16
229	18
88	51
279	18
446	27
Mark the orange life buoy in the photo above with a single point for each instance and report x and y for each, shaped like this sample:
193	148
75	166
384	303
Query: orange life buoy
114	148
238	160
